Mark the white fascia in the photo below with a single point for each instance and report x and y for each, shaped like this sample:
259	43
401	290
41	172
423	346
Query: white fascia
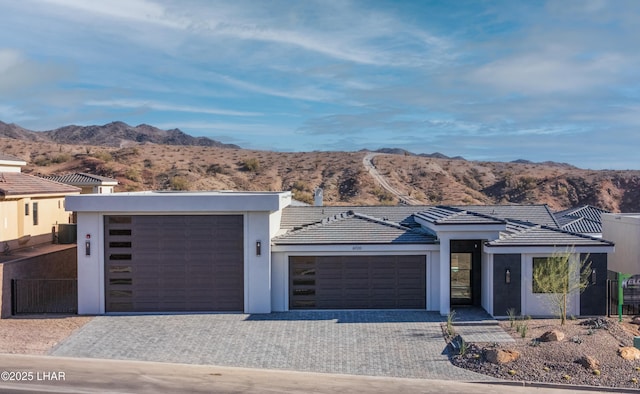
547	249
356	248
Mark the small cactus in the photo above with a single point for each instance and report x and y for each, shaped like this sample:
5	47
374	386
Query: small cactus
634	380
512	372
546	369
638	369
596	372
566	377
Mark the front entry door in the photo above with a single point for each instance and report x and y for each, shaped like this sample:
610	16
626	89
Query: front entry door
465	272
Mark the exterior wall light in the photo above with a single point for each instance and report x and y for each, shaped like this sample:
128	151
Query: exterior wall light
593	276
507	276
258	248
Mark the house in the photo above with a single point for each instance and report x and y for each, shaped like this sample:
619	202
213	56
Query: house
89	183
254	252
30	207
624	230
585	219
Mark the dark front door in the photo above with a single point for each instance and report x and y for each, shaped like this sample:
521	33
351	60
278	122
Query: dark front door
465	272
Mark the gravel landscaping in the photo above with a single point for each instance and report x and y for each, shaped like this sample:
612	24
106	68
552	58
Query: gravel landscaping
558	361
37	334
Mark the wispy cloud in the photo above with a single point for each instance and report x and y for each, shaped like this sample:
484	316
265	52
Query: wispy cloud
157	106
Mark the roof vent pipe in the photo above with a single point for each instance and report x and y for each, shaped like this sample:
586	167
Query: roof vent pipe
317	197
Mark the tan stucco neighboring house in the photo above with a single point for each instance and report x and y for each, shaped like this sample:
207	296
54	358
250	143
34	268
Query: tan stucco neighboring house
89	183
30	206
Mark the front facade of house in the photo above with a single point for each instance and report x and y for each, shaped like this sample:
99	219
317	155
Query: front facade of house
256	253
29	206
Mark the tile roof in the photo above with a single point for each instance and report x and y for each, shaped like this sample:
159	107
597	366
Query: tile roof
81	178
584	219
538	214
521	234
451	215
297	216
7	157
349	227
17	183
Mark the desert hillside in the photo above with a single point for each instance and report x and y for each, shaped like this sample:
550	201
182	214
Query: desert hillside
342	175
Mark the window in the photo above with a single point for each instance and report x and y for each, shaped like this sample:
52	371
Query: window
26	209
35	213
548	267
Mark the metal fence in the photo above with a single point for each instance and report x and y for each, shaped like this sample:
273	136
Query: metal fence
44	296
612	295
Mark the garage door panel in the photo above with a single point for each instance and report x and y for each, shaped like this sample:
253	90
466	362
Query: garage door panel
175	263
357	282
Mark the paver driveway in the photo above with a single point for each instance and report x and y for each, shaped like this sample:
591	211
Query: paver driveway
389	343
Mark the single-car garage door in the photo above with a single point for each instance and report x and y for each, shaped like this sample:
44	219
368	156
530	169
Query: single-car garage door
357	282
174	263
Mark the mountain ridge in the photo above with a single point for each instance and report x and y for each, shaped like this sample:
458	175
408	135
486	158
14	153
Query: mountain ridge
113	134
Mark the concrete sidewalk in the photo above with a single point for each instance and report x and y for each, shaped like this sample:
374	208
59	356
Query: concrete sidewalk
109	376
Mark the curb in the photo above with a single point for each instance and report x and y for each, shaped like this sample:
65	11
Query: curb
562	386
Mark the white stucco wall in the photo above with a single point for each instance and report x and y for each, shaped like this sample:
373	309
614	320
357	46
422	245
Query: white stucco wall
624	231
487	282
258	227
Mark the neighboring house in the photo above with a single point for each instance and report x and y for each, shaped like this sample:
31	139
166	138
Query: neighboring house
255	253
624	230
30	207
585	219
90	184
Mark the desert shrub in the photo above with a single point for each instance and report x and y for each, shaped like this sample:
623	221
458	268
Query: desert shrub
132	174
215	169
147	163
61	158
103	155
251	164
179	183
42	161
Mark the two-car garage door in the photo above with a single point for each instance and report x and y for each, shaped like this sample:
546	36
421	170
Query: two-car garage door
174	263
357	282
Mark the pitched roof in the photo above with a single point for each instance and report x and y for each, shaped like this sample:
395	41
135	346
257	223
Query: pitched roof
349	227
451	215
17	183
538	214
521	234
7	157
297	216
82	179
583	219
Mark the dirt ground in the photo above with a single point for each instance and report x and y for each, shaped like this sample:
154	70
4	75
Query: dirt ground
556	362
37	334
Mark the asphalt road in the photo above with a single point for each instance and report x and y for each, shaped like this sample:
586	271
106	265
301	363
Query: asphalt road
47	374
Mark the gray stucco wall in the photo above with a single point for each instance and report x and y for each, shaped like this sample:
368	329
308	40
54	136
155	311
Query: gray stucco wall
593	301
506	295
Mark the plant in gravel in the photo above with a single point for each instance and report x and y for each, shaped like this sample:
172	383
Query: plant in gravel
464	346
576	339
554	277
534	343
476	356
590	331
451	316
638	369
523	330
566	377
634	380
546	369
512	372
596	372
511	312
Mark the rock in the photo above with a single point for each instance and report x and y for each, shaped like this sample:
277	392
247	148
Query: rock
552	336
588	362
629	353
500	356
635	320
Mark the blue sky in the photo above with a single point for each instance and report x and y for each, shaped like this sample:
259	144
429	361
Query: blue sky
494	80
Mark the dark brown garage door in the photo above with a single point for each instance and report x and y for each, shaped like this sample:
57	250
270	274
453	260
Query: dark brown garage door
357	282
174	263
